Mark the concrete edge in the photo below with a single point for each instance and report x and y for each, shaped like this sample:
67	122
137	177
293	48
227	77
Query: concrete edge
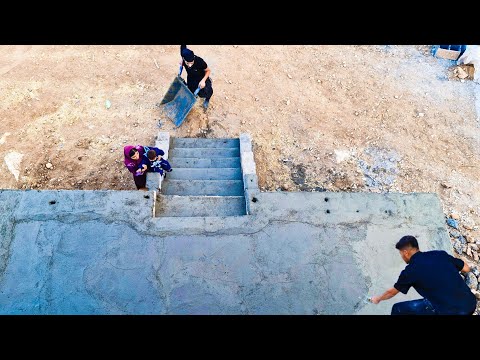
249	172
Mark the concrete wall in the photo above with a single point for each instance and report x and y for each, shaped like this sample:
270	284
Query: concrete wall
102	252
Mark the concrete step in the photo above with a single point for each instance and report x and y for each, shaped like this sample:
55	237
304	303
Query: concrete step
202	187
178	162
204	153
205	143
194	206
205	174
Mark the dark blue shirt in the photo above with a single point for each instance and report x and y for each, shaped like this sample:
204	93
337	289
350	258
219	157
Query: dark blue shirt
435	276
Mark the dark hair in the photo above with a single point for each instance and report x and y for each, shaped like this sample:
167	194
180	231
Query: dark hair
407	241
151	154
132	152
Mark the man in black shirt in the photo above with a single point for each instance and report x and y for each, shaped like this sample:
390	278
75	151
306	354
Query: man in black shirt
434	275
197	74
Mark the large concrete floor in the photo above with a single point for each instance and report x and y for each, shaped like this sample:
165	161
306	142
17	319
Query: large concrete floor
102	252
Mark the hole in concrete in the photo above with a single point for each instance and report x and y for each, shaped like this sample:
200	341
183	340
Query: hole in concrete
146	196
52	202
328	211
326	199
254	199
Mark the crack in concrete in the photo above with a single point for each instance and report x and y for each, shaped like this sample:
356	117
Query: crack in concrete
119	268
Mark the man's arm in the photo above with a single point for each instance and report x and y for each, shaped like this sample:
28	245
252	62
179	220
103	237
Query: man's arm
465	268
385	296
205	77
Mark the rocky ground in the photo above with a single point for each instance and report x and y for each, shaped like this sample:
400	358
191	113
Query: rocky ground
336	118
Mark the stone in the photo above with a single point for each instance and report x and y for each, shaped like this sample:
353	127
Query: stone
475	271
476	293
471	281
454	233
457	246
48	165
455	216
452	223
469	238
289	76
461	74
475	256
421	114
469	251
462	240
473	246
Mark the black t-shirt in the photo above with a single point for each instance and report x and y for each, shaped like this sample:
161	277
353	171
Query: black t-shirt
435	276
197	71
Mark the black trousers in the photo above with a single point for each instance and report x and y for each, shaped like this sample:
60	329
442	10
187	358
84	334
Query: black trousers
140	181
206	92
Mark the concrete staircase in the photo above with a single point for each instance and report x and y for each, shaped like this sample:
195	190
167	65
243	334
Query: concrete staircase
206	179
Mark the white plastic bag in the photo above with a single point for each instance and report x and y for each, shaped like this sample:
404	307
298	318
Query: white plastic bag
472	56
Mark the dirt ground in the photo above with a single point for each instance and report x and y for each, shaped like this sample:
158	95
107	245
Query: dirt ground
337	118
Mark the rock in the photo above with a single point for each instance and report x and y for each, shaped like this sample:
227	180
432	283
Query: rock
469	238
257	99
356	113
462	240
461	74
455	216
48	165
475	271
473	246
287	102
289	76
454	233
452	223
285	187
469	251
475	256
471	281
462	81
446	185
476	293
457	246
396	96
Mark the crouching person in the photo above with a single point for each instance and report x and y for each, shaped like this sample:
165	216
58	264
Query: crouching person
156	161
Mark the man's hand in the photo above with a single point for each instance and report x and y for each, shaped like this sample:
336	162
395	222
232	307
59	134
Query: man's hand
375	299
201	84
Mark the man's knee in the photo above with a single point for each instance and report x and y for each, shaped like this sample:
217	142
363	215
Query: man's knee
396	309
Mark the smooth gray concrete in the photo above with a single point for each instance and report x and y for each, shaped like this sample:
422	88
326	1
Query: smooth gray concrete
203	187
102	252
185	206
205	143
206	174
205	152
206	163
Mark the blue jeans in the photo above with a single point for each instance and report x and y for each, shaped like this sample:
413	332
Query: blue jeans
413	307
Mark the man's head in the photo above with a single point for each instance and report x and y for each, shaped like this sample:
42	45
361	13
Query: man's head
151	154
407	246
188	56
134	154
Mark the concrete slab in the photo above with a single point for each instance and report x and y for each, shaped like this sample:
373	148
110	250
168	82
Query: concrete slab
102	252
